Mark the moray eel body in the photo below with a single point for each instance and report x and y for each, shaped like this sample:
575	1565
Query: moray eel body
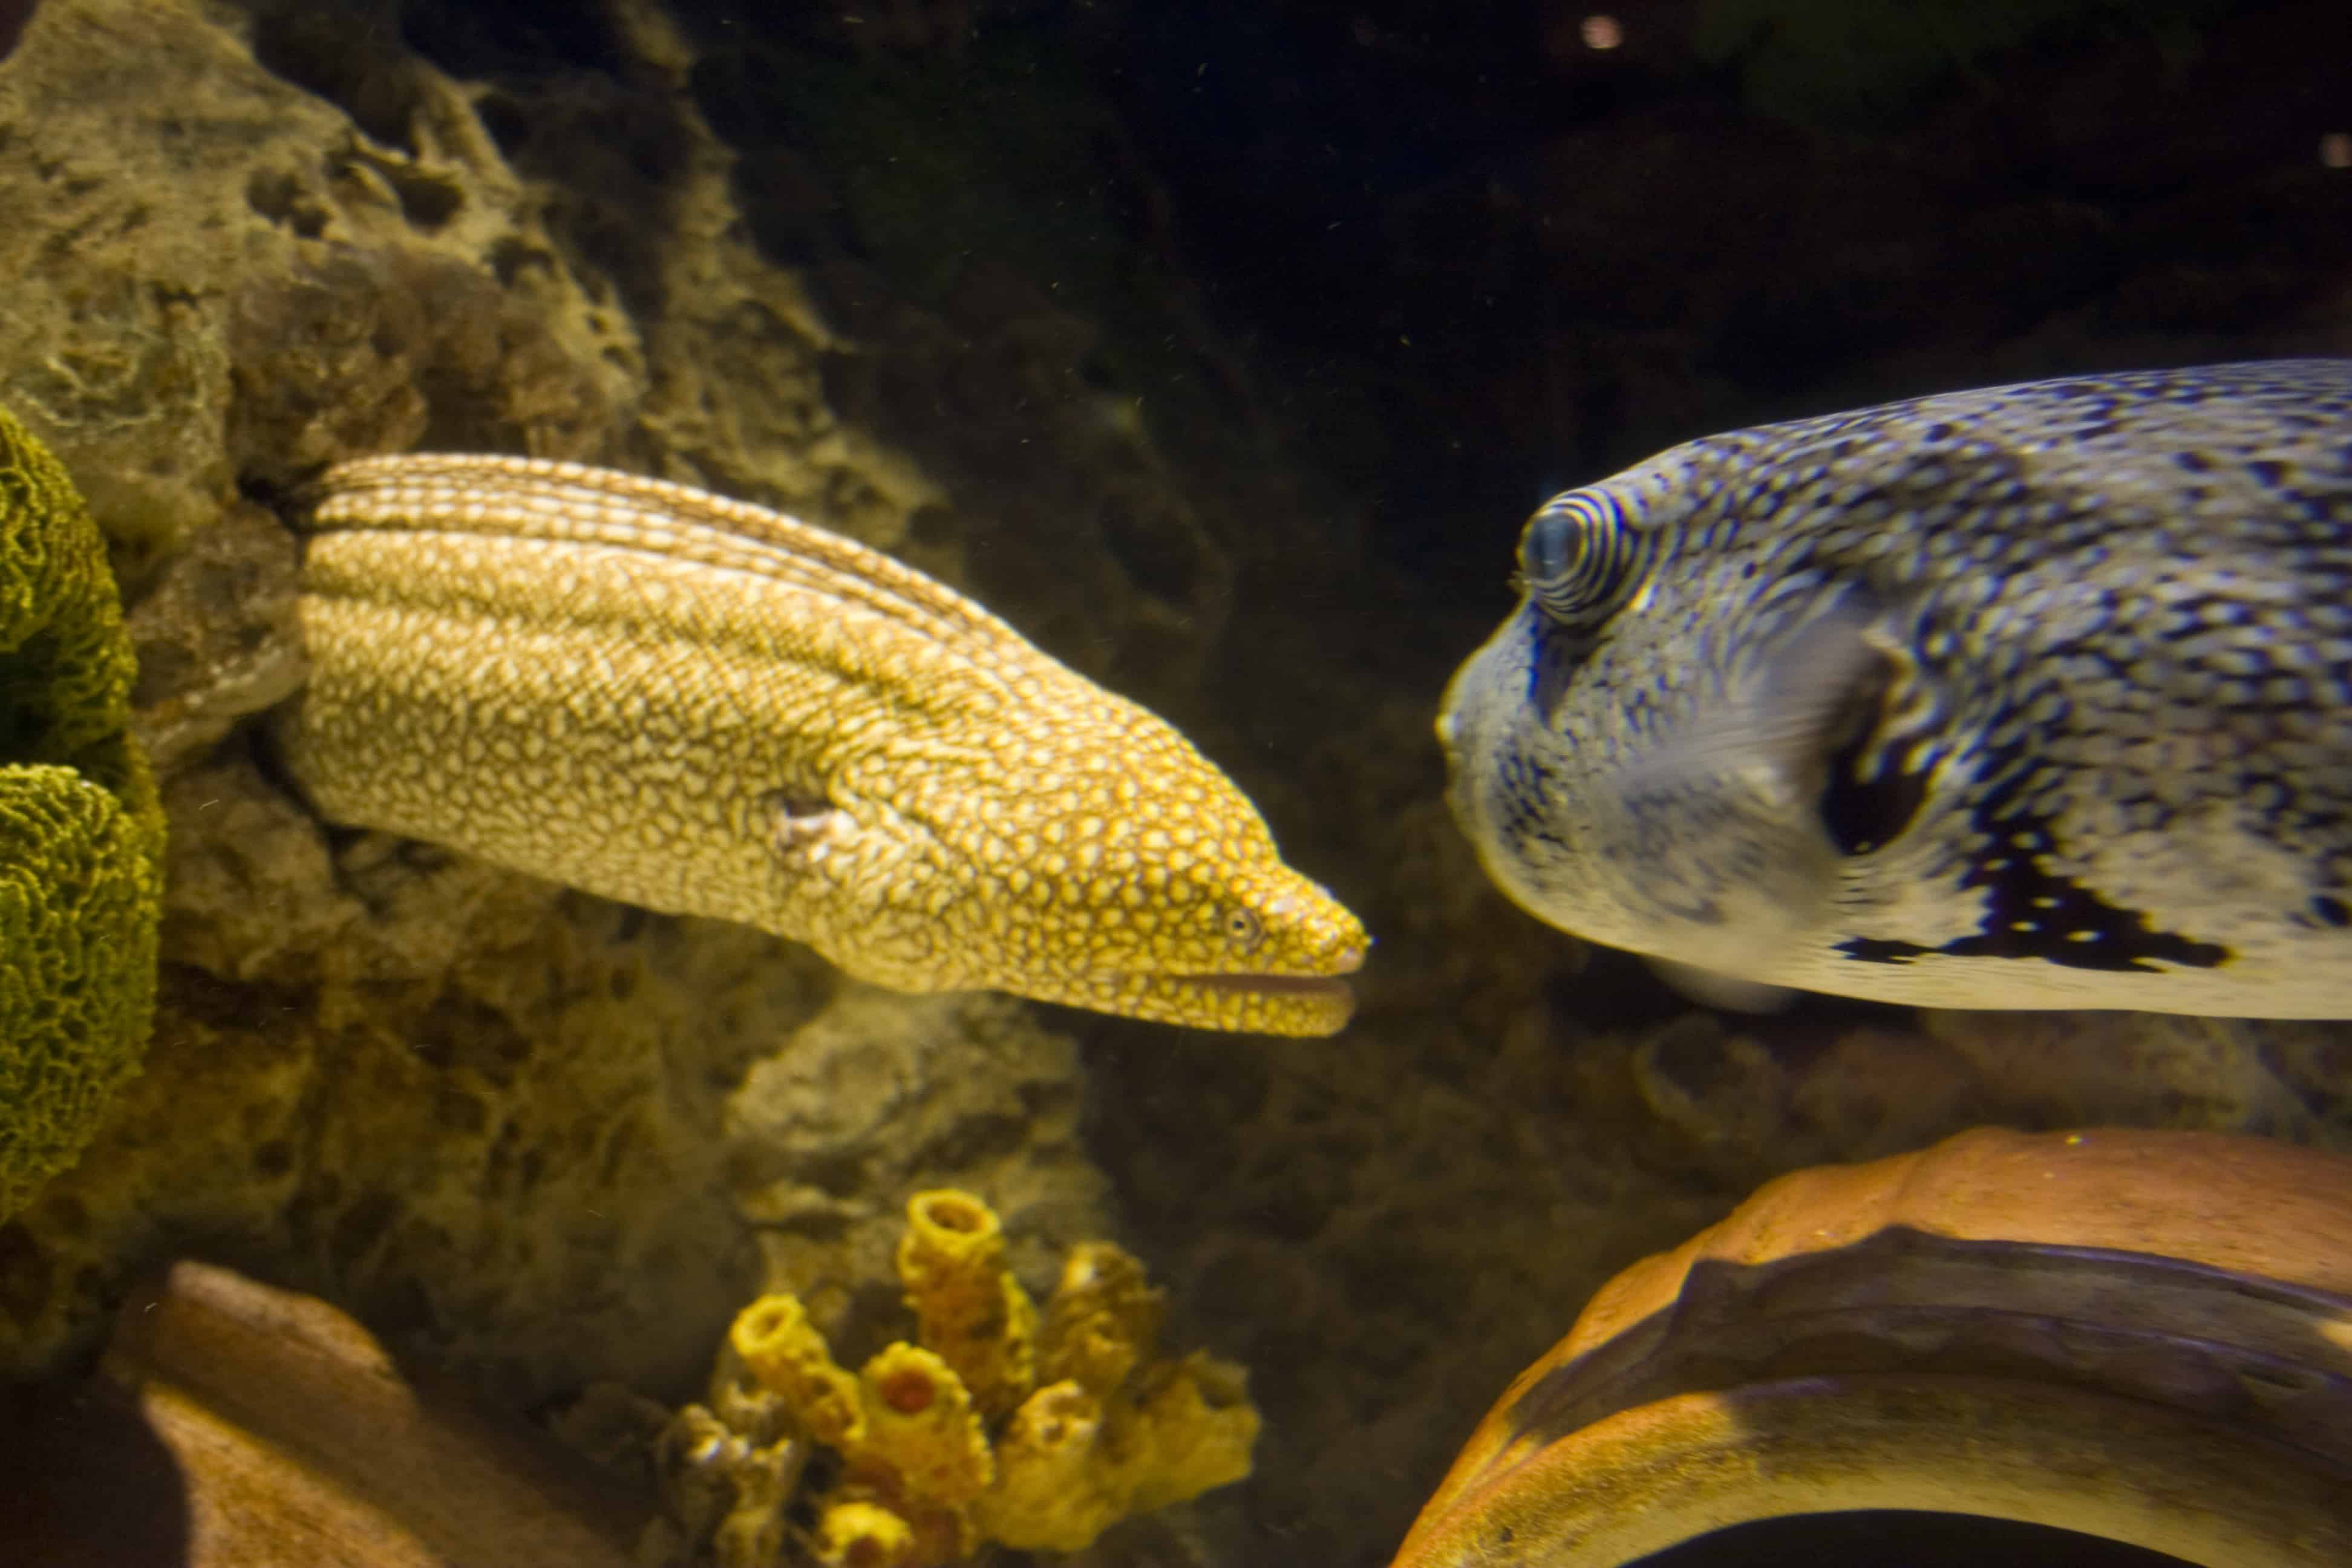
698	706
2034	696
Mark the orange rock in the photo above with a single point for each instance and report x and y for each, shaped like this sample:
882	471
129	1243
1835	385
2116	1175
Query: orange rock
2141	1335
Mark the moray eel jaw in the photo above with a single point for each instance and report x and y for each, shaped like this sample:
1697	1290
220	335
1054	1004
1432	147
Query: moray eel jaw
1254	1003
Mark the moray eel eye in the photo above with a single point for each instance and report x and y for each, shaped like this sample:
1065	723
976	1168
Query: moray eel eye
1577	556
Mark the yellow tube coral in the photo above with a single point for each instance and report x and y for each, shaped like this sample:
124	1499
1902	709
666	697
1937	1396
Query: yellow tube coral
864	1535
1102	1321
1196	1429
1051	1491
919	1429
784	1350
968	1305
928	1468
1069	1466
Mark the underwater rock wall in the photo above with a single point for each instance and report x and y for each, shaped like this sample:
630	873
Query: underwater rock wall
547	1137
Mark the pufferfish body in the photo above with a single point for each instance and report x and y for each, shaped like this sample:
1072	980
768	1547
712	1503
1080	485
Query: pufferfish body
2035	696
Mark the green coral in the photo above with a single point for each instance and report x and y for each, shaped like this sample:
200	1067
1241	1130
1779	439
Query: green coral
82	833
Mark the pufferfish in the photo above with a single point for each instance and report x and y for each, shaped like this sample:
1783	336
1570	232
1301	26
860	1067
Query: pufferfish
2035	696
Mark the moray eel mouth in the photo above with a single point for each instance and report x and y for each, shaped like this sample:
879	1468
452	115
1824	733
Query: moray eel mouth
1282	986
1270	1003
1267	1003
1291	983
1328	986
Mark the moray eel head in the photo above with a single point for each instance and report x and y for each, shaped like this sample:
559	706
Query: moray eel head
1088	855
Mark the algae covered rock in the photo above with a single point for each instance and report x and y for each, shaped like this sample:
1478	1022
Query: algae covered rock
81	832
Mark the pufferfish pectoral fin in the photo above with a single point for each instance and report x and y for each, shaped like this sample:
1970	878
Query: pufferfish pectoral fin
1728	993
1784	718
1739	818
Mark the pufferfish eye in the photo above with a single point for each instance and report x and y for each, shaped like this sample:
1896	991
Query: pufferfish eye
1577	556
1243	928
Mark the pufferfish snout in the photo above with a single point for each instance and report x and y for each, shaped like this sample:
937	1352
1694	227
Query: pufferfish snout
2036	696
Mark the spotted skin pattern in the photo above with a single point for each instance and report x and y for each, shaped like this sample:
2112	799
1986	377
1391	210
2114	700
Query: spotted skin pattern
706	708
2056	695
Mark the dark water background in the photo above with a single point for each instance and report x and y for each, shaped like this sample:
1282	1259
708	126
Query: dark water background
1443	260
1375	279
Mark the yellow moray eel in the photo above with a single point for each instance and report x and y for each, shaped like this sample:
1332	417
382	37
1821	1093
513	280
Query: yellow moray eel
2140	1335
706	708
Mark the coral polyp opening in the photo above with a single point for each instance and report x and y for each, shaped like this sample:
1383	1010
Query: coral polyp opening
951	1213
907	1393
